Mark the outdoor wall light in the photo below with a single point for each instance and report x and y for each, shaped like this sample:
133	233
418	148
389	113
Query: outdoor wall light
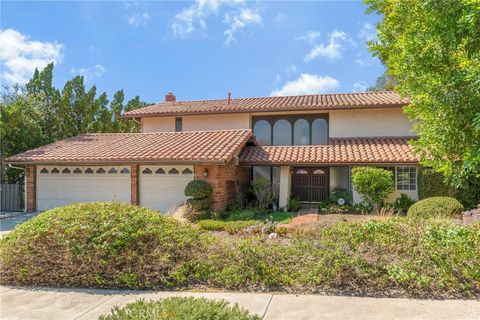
205	172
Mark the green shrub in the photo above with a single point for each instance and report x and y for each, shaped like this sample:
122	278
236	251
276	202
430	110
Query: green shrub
231	227
199	204
264	193
294	204
375	184
340	193
176	308
432	184
435	207
403	203
198	189
98	244
241	215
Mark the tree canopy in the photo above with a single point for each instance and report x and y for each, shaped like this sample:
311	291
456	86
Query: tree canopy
432	49
39	113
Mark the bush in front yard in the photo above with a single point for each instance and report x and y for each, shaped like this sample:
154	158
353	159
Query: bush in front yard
375	184
198	189
176	308
98	245
435	207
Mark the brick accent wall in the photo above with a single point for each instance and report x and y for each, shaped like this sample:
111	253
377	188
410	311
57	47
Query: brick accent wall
31	188
134	184
222	178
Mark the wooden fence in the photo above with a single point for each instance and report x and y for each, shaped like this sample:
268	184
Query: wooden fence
11	197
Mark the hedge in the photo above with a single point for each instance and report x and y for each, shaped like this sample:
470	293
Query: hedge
435	207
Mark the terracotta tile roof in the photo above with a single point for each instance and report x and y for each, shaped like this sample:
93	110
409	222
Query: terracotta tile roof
340	150
191	146
265	104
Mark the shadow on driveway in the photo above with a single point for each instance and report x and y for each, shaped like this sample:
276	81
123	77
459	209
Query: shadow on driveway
8	224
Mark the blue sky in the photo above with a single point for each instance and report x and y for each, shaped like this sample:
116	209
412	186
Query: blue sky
198	50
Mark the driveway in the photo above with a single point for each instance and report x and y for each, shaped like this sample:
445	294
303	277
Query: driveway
28	303
8	224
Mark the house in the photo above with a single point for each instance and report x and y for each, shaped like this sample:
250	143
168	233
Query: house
306	145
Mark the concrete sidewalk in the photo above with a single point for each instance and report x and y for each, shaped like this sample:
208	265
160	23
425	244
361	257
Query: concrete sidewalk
33	303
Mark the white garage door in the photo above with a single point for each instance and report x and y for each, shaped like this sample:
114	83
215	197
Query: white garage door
163	187
63	185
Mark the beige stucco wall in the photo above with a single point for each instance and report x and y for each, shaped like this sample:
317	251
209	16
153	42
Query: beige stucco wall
158	124
339	177
369	123
216	122
285	187
198	122
391	198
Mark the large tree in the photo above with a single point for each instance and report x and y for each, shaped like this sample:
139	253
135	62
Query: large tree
39	113
432	49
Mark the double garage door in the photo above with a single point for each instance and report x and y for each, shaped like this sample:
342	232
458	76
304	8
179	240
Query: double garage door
160	187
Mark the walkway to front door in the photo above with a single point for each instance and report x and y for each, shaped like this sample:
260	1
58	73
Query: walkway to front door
311	184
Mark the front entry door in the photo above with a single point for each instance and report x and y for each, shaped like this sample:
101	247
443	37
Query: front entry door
311	184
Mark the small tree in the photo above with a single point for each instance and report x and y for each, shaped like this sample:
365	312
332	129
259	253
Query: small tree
199	204
374	184
264	192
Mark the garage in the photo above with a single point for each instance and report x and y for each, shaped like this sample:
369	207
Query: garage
163	187
64	185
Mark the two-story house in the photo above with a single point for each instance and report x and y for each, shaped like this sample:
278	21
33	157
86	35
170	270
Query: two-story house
306	145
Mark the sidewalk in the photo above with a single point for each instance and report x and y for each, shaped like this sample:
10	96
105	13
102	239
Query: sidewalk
32	303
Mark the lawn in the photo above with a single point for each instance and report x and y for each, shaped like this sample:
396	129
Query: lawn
119	246
240	220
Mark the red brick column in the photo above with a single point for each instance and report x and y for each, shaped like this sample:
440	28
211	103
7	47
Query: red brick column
220	177
134	184
31	188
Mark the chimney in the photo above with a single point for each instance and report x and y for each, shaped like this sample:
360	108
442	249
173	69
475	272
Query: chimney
229	97
169	97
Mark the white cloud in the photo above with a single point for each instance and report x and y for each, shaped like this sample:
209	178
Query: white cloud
291	68
332	50
307	84
89	73
360	86
367	32
20	55
191	18
138	19
279	18
194	18
309	37
237	20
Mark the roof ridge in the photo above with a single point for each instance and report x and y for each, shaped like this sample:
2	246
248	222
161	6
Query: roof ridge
269	97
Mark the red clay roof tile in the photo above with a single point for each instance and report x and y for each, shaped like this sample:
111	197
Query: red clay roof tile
191	146
269	104
339	150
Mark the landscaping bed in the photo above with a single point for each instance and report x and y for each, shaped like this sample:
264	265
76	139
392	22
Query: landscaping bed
109	245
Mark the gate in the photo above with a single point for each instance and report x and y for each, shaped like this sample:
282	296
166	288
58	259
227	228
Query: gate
11	197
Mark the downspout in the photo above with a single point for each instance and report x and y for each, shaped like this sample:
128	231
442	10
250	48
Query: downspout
24	183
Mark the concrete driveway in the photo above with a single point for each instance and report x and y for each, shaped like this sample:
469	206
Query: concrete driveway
27	303
8	224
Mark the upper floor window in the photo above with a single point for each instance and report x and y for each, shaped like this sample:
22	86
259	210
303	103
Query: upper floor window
263	132
301	132
282	133
319	131
291	130
178	124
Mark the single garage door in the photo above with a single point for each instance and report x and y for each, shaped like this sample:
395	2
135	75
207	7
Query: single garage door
63	185
163	187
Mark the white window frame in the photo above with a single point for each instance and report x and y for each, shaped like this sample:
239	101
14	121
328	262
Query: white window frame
416	178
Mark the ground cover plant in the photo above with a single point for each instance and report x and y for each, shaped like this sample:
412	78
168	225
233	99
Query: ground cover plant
120	246
177	308
239	220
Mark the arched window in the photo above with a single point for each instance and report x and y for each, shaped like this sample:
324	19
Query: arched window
100	170
125	170
282	133
301	132
187	171
301	171
173	171
159	171
262	132
66	170
318	171
319	131
147	171
77	170
113	170
89	170
44	170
